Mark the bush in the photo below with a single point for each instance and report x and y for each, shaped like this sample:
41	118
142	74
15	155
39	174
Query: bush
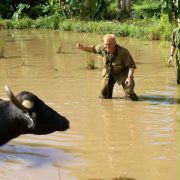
165	27
147	9
50	22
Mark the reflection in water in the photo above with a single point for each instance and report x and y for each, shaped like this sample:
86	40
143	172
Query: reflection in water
29	157
108	139
155	99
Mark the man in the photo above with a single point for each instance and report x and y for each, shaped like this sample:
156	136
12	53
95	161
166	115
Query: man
175	49
118	67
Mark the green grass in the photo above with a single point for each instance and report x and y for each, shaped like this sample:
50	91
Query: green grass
148	28
2	47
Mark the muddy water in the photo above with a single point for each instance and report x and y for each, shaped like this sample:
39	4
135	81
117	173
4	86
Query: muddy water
108	139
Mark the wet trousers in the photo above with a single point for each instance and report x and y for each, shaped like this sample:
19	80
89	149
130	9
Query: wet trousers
108	85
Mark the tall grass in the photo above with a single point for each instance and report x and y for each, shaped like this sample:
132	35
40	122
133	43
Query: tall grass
147	28
59	44
166	51
90	62
2	47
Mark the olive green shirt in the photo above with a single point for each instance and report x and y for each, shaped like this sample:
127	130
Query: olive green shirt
116	64
175	41
175	37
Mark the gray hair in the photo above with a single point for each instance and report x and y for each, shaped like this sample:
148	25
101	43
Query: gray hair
109	36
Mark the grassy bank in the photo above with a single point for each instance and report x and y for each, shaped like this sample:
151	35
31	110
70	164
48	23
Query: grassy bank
148	29
151	29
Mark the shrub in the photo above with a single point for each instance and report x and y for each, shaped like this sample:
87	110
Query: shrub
147	9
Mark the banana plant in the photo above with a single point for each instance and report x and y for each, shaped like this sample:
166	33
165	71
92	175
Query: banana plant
18	14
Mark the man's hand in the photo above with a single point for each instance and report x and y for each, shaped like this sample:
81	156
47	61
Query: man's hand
170	60
79	46
128	81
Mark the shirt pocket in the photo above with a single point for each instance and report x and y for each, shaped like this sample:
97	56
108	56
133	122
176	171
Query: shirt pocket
117	66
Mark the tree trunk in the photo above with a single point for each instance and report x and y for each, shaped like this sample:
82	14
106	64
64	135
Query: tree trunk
128	5
123	7
118	5
175	8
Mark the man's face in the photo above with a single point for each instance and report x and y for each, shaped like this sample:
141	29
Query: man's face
109	45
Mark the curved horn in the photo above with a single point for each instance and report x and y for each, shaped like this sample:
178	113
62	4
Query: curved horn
14	99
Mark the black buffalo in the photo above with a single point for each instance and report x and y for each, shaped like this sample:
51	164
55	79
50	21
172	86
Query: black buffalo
25	113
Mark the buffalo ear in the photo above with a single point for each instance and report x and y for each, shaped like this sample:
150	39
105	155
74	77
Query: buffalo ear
28	104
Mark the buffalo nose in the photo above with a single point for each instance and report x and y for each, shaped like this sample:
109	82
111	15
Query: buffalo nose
67	124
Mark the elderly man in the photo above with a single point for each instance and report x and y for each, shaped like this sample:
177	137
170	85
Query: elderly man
119	67
175	49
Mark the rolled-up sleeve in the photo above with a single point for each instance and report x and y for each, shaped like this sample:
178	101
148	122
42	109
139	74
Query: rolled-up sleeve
172	39
128	60
97	49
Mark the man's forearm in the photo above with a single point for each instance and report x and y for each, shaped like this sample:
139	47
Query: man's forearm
88	49
85	48
131	73
172	50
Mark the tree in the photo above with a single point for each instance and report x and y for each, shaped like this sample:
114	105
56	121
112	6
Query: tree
170	7
175	8
123	8
93	9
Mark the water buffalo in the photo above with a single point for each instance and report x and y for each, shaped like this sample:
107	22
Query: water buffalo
25	113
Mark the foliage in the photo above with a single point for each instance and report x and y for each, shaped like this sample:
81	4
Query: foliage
18	14
2	46
93	9
90	62
165	27
9	7
148	28
150	18
24	23
166	7
147	9
50	22
6	11
84	9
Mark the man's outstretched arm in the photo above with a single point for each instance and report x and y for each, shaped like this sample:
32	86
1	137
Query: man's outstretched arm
85	48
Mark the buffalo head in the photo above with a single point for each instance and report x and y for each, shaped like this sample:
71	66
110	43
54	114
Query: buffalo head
25	113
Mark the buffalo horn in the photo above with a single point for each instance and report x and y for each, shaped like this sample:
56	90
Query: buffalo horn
14	100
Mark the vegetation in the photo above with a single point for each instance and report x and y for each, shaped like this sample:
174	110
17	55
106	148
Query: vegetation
148	19
1	47
87	9
148	28
90	62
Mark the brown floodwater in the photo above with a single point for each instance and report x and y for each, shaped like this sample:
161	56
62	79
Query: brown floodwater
108	139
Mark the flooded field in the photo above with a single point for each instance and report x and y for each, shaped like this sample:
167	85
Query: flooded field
109	139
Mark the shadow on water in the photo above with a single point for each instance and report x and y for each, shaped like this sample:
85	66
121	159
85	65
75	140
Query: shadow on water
115	178
15	40
156	99
66	52
9	57
123	178
34	156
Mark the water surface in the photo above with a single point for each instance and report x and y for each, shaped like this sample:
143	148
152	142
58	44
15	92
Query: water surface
108	139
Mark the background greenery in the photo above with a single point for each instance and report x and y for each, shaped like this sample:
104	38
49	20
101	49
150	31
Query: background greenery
148	19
